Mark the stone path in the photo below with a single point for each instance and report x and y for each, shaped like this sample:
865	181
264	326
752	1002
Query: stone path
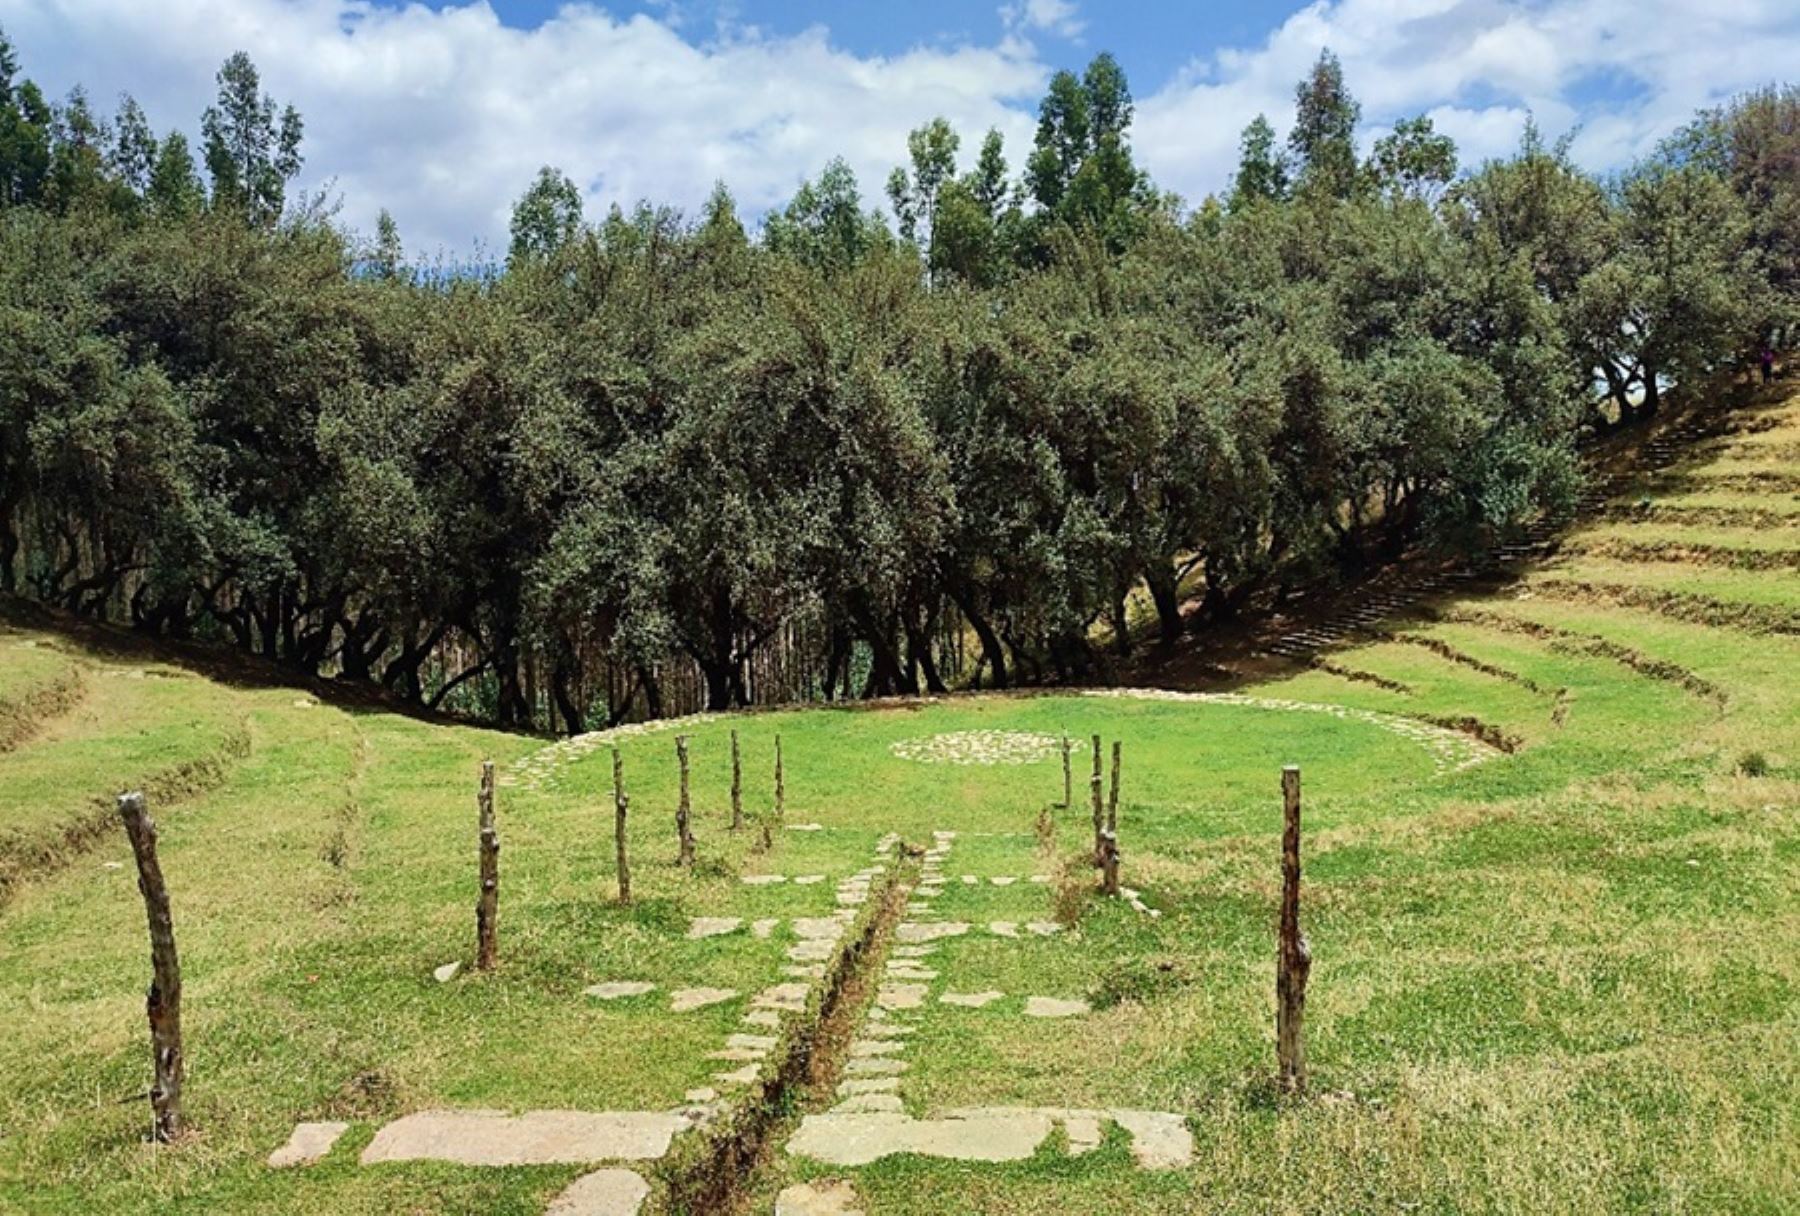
309	1143
538	1137
602	1193
1159	1140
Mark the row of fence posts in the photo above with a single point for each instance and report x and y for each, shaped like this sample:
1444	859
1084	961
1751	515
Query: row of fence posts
163	999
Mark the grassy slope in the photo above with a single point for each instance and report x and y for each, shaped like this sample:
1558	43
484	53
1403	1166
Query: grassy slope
1563	980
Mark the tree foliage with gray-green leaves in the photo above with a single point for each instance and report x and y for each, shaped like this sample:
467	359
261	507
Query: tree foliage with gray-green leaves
655	464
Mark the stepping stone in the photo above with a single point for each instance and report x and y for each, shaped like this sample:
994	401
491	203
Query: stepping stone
862	1139
1159	1140
1083	1131
1039	878
1053	1007
762	1017
821	927
868	1085
763	880
829	1197
781	996
1003	880
867	1104
900	996
805	971
807	880
910	932
446	973
813	950
1044	928
971	880
806	827
877	1066
309	1143
713	926
686	1000
746	1075
865	1049
970	1000
703	1094
764	929
914	951
601	1193
539	1137
1004	928
614	990
903	970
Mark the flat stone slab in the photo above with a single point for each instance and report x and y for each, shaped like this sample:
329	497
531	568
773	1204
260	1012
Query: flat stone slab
686	1000
446	973
762	1017
900	996
1004	928
738	1076
805	971
868	1048
763	880
807	880
914	951
1054	1007
827	1197
859	1139
713	926
911	932
788	997
869	1104
822	928
1044	928
877	1066
805	827
1160	1140
537	1137
309	1143
867	1085
601	1193
971	1000
812	950
764	928
1004	880
616	990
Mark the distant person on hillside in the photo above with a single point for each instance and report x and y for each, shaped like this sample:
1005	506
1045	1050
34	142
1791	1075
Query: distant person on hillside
1768	364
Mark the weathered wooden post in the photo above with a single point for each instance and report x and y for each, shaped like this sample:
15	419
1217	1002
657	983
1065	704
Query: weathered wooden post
1068	776
1109	861
686	837
487	908
162	1002
1099	806
1112	801
621	808
1295	959
780	783
737	786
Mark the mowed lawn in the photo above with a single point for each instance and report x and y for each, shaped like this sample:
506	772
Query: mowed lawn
1562	979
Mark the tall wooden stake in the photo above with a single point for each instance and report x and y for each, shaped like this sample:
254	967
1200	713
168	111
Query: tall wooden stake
780	783
621	808
1099	807
1109	861
487	909
1295	959
162	1002
1068	777
1112	801
686	837
737	786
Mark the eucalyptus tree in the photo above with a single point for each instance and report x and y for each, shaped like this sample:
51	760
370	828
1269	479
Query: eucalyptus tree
251	151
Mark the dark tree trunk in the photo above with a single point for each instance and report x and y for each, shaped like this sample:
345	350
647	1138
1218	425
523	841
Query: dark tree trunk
1165	594
991	648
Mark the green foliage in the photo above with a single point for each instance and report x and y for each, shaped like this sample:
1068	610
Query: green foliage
251	154
657	463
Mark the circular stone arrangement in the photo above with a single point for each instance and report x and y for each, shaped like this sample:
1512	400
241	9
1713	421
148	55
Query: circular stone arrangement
980	747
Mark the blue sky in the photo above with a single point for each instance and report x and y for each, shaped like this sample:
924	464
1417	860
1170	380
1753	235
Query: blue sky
443	112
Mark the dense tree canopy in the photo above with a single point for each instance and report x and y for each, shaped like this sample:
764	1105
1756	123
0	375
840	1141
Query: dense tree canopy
654	463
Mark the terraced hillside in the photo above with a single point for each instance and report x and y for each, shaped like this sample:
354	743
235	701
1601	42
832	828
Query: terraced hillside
1551	865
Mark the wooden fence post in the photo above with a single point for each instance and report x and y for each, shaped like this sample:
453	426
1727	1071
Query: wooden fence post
682	832
1099	806
780	783
1112	802
1295	959
162	1002
1068	776
487	909
737	786
621	808
1109	861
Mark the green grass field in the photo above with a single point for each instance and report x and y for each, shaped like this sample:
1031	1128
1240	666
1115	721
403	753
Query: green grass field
1562	978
